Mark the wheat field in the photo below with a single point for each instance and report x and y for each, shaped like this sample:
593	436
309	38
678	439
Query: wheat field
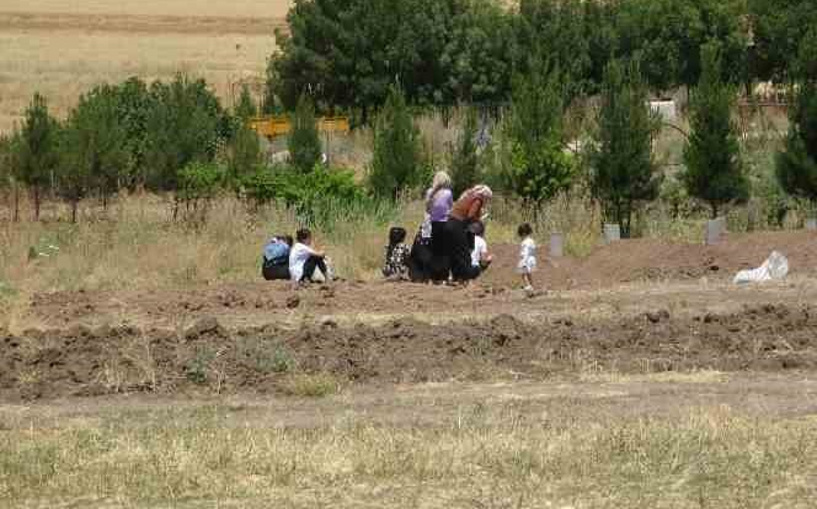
62	48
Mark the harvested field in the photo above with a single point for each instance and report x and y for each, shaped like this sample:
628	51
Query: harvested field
63	49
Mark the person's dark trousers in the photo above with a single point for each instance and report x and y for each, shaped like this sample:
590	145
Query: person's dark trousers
461	244
440	265
311	264
420	260
273	272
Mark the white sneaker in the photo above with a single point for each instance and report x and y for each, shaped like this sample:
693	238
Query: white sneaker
528	288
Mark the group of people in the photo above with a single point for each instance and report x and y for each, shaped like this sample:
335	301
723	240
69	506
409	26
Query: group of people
450	245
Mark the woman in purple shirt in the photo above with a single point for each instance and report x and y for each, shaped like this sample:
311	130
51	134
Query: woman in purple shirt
439	200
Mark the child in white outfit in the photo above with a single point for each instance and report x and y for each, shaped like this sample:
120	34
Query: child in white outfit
527	255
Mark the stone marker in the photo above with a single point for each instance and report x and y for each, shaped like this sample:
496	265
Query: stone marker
612	233
715	228
557	245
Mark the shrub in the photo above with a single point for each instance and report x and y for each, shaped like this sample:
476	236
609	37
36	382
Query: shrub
714	172
246	108
623	171
396	161
199	183
304	142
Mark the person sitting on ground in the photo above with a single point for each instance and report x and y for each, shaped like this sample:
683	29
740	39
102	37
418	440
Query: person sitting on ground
480	257
527	256
468	209
303	259
397	255
275	263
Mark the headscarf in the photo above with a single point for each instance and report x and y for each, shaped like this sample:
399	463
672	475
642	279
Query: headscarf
481	191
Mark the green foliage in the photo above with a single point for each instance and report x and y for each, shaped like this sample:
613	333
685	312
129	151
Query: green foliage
246	108
624	173
779	27
244	154
538	168
200	181
134	107
396	161
38	152
186	125
314	195
464	159
304	141
95	151
796	166
714	172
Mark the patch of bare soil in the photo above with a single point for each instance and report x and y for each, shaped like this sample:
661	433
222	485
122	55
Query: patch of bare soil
207	357
649	260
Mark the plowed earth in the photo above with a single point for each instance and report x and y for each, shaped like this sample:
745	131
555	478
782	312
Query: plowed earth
678	313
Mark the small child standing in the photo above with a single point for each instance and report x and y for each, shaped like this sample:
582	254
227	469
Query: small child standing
397	255
527	255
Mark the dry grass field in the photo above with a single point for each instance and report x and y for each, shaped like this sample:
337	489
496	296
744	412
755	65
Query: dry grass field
63	48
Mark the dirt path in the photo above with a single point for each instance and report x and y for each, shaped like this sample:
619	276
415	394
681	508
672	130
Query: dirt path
597	399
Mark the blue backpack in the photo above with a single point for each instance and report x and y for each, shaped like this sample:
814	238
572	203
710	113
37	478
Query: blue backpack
276	252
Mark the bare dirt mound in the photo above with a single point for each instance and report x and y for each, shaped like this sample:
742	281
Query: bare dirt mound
83	362
648	260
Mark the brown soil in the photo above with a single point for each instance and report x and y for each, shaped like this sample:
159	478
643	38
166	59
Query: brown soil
650	260
206	357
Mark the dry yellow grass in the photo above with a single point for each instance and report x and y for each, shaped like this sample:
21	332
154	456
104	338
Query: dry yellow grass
63	49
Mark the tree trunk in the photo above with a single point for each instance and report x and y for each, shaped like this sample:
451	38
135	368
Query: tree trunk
74	204
36	202
16	202
104	200
714	211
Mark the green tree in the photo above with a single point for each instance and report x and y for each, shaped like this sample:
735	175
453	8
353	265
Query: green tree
74	179
244	154
714	171
134	108
304	141
38	154
186	124
246	108
538	167
396	162
97	145
624	174
796	166
464	158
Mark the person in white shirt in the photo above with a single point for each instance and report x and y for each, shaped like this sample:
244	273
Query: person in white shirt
480	258
303	259
527	256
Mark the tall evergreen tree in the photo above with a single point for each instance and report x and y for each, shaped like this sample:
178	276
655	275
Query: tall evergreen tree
38	153
538	167
796	167
95	144
714	172
395	165
304	141
624	172
246	108
464	158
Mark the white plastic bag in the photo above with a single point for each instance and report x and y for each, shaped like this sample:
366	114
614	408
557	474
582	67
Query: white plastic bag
775	267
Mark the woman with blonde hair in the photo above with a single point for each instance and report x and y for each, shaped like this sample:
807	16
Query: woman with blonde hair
429	258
